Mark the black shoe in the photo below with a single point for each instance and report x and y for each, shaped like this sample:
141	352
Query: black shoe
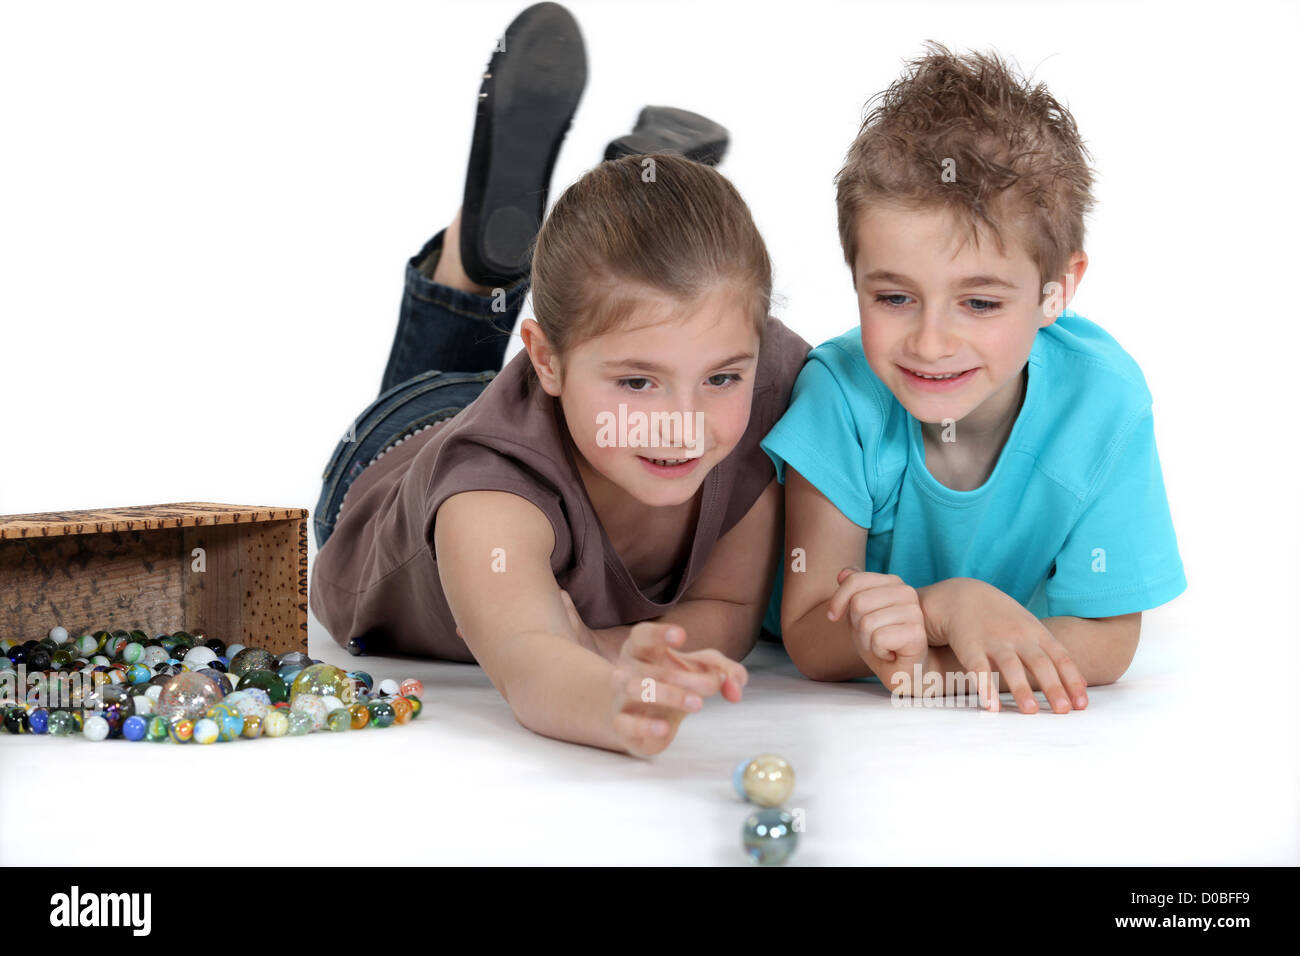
525	107
668	129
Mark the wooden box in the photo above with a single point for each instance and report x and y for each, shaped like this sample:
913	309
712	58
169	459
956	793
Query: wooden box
237	572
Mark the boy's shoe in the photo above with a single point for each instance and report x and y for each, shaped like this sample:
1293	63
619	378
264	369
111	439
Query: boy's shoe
668	129
525	106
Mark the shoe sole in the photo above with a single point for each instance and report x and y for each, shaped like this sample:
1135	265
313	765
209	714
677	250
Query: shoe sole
526	104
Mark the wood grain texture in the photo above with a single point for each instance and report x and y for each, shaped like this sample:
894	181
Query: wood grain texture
140	568
183	514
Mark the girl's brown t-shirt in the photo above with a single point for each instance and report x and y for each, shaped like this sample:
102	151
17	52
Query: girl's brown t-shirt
377	575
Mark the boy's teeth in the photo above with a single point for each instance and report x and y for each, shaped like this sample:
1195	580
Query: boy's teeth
937	377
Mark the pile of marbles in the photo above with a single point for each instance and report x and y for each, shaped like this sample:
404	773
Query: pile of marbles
187	687
769	835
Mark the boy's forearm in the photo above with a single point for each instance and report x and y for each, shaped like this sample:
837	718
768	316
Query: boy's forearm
559	689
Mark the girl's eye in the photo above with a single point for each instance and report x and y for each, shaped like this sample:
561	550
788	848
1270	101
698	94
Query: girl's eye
631	386
728	379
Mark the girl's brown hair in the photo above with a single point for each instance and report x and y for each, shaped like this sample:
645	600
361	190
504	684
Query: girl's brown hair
1013	156
656	222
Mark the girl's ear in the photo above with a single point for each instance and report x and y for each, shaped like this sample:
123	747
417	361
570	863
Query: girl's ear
545	362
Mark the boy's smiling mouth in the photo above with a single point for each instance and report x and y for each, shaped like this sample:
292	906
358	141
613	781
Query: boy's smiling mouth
936	381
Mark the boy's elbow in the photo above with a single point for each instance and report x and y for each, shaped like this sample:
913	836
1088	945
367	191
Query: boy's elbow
1123	648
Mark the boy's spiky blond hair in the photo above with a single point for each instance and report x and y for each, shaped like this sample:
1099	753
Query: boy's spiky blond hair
1017	162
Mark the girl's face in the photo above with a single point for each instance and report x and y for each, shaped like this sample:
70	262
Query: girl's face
654	405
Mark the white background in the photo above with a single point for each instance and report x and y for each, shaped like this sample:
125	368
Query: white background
205	215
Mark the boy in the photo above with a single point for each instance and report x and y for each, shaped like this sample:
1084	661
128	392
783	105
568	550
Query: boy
975	456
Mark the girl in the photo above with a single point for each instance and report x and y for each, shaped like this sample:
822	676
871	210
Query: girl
595	524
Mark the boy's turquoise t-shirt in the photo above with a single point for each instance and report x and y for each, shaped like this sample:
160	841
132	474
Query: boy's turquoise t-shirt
1072	521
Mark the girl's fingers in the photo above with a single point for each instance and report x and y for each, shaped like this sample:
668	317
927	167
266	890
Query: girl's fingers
662	694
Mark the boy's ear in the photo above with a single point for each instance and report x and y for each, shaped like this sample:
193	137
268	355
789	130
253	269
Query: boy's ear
545	362
1070	279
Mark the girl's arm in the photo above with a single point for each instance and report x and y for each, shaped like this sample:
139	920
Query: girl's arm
724	606
514	621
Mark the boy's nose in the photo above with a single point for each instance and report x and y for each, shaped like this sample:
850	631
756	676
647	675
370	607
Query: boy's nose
932	339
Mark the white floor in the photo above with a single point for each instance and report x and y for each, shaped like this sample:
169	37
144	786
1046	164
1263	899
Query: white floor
1162	768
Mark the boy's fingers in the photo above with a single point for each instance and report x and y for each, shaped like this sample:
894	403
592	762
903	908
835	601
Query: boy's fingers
978	664
1076	685
1010	667
1049	681
848	584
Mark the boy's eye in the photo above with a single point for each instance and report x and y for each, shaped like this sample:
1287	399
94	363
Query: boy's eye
728	379
977	305
634	384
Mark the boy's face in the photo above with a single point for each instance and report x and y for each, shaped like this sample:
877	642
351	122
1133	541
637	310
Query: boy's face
930	307
685	376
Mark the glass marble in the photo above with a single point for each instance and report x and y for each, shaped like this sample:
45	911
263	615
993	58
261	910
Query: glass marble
412	688
229	721
38	659
187	696
251	659
267	681
360	715
768	780
61	723
154	655
206	731
311	705
181	730
17	654
218	678
16	720
402	710
382	713
112	703
417	705
339	720
232	651
5	664
252	726
96	728
38	721
61	658
157	731
323	680
133	728
293	659
58	634
138	674
275	723
289	672
133	653
201	656
253	702
300	723
363	679
769	836
388	687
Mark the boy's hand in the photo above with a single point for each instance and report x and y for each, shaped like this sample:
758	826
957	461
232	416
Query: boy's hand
885	617
987	628
656	685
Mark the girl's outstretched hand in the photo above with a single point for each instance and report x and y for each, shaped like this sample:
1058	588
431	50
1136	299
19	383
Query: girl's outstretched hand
656	685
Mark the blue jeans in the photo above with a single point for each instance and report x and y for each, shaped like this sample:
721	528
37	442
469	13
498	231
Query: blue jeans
449	344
